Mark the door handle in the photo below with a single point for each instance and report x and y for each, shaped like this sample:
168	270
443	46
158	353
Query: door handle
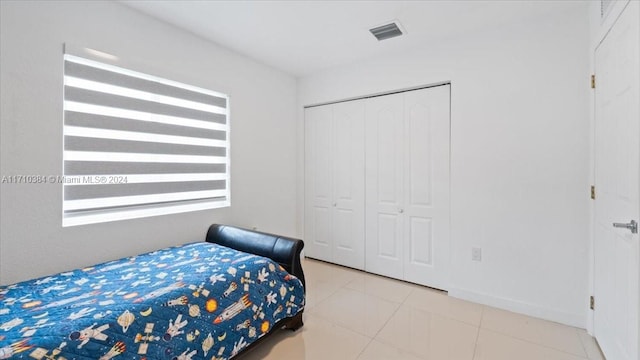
400	211
633	226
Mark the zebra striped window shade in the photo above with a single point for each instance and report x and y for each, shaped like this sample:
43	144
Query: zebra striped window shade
136	145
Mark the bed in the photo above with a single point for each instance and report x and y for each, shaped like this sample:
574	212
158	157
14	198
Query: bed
207	300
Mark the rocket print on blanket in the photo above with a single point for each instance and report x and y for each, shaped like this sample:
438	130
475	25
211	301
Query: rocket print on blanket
116	350
234	309
15	348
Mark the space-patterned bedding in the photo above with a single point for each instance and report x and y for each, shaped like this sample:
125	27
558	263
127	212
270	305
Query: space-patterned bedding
197	301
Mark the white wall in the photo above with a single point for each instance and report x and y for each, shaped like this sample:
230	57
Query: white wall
263	100
519	160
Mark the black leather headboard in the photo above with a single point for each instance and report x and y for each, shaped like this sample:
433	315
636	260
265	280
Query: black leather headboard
283	250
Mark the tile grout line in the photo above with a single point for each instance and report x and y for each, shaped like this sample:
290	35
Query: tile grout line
446	314
584	348
363	349
499	332
385	323
586	357
343	287
325	299
376	296
349	330
330	294
339	325
404	303
377	276
475	346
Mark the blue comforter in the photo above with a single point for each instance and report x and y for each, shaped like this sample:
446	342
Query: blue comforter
196	301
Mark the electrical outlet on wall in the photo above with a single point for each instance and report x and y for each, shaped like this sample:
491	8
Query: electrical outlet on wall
476	254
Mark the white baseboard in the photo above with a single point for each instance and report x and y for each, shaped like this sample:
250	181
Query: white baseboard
572	319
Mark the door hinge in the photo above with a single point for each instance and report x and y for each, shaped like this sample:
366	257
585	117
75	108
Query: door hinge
593	192
592	303
593	81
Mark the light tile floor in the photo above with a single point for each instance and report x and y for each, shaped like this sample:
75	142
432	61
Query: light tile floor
352	315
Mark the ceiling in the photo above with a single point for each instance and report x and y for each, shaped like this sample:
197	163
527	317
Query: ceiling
305	37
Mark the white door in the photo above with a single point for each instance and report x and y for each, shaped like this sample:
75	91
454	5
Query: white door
348	183
407	185
317	177
617	180
426	186
384	137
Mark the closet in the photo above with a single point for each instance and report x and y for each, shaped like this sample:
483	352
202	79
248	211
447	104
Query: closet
389	156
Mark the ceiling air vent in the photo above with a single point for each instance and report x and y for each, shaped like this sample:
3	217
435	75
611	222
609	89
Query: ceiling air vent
387	31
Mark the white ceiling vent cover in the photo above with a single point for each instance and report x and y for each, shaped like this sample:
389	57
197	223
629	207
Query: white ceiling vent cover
388	30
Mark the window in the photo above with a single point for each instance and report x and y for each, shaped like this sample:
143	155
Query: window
136	145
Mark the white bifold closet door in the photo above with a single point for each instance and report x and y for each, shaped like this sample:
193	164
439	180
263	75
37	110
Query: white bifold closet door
334	183
407	185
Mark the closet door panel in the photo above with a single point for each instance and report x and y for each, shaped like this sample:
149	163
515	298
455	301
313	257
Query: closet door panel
420	236
318	204
384	183
348	183
426	184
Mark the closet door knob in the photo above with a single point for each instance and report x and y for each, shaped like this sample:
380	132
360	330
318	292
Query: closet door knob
400	211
